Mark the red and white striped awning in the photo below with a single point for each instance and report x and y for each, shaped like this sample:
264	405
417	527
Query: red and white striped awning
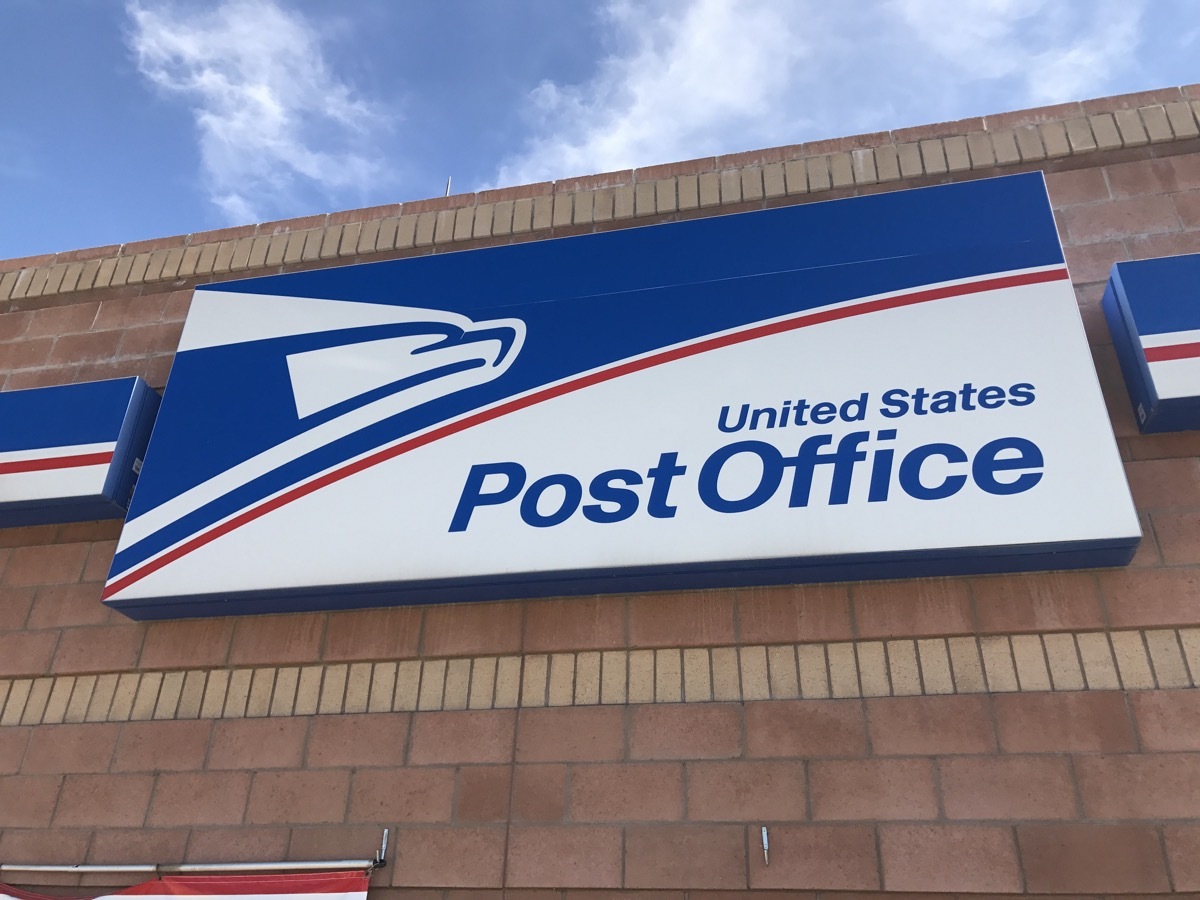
300	885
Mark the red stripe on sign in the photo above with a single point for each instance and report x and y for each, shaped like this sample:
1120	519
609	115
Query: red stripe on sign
1172	351
55	462
299	884
559	390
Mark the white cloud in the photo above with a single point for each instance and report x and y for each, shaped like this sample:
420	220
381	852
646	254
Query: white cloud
1054	50
700	77
274	122
689	74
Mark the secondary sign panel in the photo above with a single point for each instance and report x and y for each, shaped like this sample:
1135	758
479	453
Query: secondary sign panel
877	387
71	453
1153	312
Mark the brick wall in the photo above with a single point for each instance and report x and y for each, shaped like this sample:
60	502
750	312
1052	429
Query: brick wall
1031	734
1088	792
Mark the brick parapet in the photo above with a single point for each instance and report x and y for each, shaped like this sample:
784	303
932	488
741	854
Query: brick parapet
1066	135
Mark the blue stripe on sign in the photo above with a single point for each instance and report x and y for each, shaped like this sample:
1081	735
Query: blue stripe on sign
1162	295
64	415
627	293
860	567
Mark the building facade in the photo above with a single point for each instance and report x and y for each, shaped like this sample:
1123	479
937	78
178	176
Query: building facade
1005	734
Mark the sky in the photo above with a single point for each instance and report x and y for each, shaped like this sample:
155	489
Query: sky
122	120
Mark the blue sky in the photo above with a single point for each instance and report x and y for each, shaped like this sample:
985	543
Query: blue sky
129	119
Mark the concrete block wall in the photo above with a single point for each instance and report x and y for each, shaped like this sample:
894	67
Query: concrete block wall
1026	734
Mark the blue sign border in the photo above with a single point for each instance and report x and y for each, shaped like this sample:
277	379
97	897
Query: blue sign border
749	573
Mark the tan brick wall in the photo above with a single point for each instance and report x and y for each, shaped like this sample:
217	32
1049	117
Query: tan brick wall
1080	792
1026	734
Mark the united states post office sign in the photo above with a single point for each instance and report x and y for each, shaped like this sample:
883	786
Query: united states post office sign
70	453
882	386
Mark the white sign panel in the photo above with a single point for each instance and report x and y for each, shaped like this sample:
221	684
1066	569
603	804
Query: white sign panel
878	387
